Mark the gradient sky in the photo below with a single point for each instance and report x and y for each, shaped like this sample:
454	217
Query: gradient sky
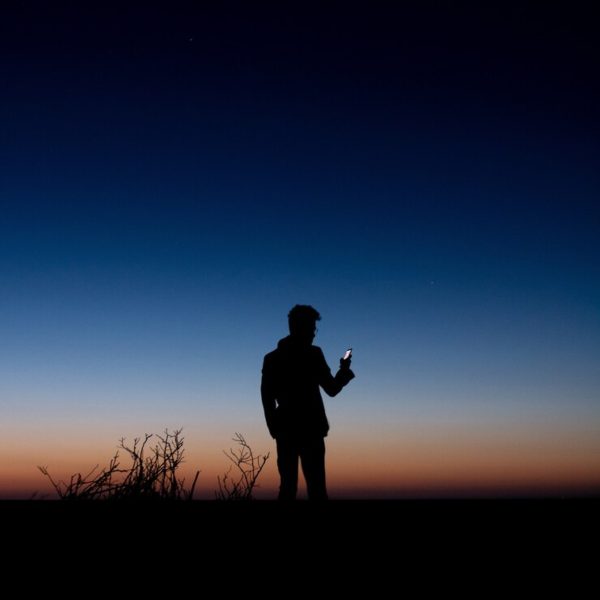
173	180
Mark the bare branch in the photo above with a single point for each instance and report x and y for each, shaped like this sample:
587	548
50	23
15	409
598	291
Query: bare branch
151	475
248	468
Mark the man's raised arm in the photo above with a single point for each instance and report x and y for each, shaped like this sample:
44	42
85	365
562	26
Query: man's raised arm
333	385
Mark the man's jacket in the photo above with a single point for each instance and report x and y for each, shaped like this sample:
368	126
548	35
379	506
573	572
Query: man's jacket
291	377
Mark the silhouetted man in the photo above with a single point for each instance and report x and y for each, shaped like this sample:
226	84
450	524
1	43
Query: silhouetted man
293	405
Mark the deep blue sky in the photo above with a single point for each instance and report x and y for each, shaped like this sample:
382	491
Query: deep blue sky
173	180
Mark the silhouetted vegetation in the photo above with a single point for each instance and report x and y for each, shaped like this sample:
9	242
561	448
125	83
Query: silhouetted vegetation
152	474
246	467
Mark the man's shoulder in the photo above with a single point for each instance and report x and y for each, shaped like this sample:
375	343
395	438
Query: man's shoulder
282	352
269	356
275	356
316	350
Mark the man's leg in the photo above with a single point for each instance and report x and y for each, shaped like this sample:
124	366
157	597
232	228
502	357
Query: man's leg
287	463
312	454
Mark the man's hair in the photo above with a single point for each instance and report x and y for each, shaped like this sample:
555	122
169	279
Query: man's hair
302	315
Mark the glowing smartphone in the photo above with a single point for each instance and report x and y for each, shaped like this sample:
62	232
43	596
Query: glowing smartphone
348	354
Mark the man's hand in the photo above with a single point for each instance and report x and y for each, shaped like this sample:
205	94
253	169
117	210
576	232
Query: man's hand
345	364
344	375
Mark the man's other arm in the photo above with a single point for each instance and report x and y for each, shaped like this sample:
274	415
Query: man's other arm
267	392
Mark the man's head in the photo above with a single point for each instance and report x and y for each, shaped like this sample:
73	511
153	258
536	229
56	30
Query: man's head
303	322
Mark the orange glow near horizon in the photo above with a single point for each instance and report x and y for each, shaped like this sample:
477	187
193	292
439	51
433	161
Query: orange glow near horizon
438	461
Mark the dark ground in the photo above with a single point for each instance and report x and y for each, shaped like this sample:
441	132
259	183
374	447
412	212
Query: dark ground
507	544
409	548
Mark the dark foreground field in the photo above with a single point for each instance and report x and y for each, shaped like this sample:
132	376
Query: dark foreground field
392	521
539	543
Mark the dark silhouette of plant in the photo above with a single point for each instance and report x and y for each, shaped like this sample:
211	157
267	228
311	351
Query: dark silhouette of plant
151	475
248	468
